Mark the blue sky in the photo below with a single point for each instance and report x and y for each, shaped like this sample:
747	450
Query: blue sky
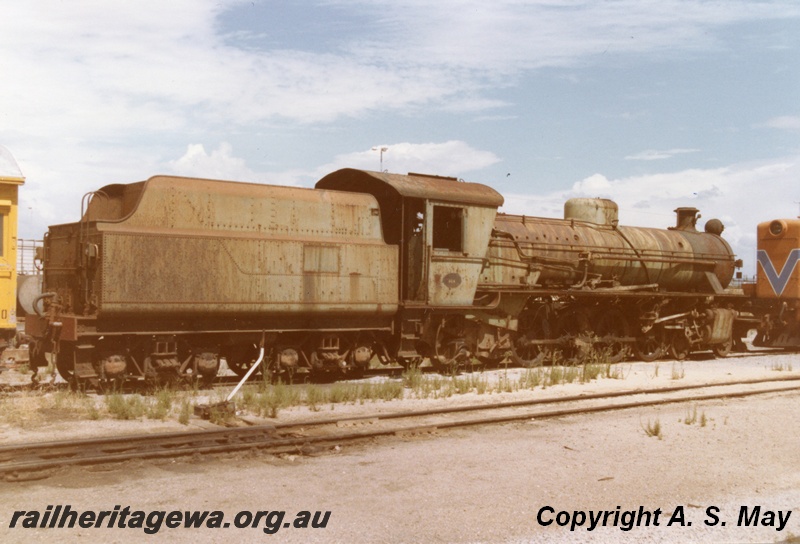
656	104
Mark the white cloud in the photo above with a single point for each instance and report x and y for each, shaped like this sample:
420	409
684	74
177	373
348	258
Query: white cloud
220	164
87	70
786	122
506	36
654	155
453	158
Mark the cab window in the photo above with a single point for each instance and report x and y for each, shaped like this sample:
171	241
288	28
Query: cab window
448	228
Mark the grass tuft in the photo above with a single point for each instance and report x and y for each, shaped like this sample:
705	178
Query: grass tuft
653	429
122	407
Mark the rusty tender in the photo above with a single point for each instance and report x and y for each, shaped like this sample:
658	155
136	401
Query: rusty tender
163	278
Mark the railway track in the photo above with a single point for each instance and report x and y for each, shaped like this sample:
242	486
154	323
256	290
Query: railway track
40	460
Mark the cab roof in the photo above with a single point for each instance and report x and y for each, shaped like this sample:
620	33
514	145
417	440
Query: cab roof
424	186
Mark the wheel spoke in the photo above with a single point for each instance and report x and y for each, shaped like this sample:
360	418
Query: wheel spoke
650	346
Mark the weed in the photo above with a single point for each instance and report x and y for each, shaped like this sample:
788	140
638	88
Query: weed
446	391
571	374
555	376
185	413
531	379
161	407
481	386
249	399
613	372
343	393
677	373
92	412
591	371
413	378
121	407
277	397
389	390
691	417
653	429
505	384
314	397
462	385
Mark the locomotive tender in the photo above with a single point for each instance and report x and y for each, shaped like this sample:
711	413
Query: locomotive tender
164	277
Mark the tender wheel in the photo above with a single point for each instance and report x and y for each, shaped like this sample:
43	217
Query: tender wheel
205	366
241	357
722	350
679	346
359	359
650	346
610	326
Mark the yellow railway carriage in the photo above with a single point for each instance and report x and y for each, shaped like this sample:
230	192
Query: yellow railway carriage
10	180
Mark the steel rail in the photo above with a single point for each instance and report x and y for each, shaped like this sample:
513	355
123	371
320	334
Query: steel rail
18	461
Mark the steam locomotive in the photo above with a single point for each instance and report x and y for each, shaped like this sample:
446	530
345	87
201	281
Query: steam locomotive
164	277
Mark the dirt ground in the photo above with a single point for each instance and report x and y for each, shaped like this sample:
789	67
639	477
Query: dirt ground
484	484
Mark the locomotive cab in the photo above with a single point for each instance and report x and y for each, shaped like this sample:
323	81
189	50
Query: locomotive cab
442	225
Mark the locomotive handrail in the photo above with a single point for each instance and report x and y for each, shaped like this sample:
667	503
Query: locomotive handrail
83	234
530	258
704	259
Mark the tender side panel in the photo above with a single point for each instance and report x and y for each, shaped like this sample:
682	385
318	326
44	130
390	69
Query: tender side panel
195	247
200	275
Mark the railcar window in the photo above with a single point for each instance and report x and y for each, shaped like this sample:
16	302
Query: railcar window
448	227
2	234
